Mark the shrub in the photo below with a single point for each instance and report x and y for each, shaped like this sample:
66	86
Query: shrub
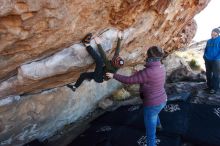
194	65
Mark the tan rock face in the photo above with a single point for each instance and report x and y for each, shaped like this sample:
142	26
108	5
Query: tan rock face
32	30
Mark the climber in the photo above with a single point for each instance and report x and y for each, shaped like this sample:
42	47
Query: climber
103	65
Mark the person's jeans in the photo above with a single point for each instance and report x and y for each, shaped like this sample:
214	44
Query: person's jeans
213	74
151	121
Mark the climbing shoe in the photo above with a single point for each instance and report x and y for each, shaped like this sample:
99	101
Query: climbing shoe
86	40
72	87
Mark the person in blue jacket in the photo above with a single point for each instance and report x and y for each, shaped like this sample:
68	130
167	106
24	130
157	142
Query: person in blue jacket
212	61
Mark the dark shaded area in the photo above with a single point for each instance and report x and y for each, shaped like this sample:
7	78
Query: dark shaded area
120	136
204	125
197	124
131	116
35	143
174	118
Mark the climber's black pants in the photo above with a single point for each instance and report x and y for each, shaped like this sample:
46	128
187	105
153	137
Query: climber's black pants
97	75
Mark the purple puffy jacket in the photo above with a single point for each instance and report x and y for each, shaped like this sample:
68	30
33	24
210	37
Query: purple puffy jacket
151	80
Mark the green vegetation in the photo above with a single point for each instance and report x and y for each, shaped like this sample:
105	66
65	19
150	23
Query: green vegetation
194	64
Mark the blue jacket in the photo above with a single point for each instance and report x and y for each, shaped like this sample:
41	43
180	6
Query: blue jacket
212	49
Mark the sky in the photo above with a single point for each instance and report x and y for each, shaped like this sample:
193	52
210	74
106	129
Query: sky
206	20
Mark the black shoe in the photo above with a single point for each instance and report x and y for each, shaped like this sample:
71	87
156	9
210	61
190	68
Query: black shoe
72	87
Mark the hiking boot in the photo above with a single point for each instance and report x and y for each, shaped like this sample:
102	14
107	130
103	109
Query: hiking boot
86	40
72	87
212	91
